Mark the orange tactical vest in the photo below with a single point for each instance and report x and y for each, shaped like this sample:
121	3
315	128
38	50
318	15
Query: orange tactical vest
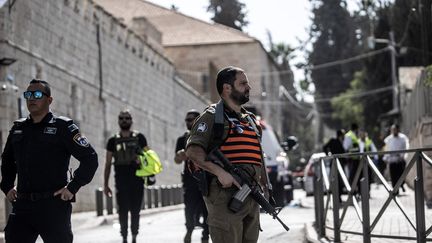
242	145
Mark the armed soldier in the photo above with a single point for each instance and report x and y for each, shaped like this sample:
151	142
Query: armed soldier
238	137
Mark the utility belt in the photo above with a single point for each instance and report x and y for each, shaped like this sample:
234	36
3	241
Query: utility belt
35	196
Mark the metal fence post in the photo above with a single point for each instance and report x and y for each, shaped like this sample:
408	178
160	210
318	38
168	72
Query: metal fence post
99	201
419	201
157	196
364	189
149	197
335	191
320	199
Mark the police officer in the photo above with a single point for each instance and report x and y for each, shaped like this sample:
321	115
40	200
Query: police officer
241	145
124	147
351	144
193	199
38	150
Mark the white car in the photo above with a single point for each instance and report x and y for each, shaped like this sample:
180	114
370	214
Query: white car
309	173
277	165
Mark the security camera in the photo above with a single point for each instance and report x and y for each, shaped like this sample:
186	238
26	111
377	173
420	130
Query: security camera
3	87
15	88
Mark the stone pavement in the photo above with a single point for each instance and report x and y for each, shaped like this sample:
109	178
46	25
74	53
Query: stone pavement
392	222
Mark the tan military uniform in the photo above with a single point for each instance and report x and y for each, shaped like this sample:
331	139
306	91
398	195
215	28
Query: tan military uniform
224	225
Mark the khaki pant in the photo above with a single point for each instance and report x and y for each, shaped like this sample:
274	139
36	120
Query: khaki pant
226	226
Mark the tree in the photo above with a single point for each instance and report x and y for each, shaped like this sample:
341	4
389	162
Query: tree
228	12
348	108
333	33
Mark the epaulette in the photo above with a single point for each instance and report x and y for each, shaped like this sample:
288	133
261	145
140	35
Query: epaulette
20	121
64	118
211	109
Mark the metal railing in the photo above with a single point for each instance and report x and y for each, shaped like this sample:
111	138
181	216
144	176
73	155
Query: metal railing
326	189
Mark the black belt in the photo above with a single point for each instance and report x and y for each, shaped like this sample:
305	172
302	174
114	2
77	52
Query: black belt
35	196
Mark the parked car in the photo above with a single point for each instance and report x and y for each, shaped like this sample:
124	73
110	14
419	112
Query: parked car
308	173
277	163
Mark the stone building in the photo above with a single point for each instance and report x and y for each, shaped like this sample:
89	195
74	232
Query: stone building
199	49
97	66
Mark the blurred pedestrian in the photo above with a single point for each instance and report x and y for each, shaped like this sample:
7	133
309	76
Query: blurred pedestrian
192	196
396	161
352	145
367	145
124	147
38	151
335	146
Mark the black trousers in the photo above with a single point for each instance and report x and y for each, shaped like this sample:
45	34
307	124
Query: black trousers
396	170
49	218
194	206
129	199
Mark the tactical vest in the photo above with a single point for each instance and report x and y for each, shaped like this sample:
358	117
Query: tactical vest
125	149
242	145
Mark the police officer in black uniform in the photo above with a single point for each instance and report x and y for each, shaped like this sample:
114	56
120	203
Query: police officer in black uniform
124	147
38	150
193	198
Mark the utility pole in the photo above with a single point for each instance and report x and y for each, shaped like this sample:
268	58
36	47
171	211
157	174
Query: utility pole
395	83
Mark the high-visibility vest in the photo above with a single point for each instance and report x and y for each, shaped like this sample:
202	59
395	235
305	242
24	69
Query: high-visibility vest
150	164
355	142
368	144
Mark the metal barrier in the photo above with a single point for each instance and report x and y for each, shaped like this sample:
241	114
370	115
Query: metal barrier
154	197
328	185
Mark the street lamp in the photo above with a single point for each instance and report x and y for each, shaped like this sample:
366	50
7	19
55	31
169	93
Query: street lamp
392	48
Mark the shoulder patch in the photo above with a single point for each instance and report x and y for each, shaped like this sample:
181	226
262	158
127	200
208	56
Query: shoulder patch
81	140
202	127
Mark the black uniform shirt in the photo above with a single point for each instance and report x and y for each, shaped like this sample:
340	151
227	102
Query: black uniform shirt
40	154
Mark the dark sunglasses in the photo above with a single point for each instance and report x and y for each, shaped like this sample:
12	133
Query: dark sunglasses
125	118
190	119
37	94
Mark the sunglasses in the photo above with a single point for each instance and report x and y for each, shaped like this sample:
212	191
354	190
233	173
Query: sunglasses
124	118
37	94
189	119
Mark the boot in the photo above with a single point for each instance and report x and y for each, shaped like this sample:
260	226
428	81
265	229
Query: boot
188	237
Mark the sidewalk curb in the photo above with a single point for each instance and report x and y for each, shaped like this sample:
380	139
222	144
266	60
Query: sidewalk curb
311	234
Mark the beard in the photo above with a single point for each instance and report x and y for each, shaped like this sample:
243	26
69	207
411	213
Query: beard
239	97
125	126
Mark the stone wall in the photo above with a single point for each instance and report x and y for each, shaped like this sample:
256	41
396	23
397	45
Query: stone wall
96	67
194	62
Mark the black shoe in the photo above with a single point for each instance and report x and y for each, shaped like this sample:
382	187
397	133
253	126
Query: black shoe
188	237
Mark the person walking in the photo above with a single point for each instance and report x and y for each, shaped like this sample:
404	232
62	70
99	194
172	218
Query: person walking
124	147
335	146
351	144
38	151
396	141
192	196
238	138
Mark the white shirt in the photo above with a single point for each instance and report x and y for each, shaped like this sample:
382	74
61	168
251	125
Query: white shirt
392	143
362	146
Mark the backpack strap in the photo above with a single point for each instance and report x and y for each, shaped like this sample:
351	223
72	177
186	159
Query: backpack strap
218	127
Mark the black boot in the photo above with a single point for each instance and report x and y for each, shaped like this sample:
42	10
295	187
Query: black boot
188	237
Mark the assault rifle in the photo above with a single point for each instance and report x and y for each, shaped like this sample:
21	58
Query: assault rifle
248	188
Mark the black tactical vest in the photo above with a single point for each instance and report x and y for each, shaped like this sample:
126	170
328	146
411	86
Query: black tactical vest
125	149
